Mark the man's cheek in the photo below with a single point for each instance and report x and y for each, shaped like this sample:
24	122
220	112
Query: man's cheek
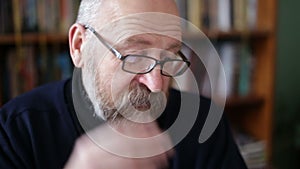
120	83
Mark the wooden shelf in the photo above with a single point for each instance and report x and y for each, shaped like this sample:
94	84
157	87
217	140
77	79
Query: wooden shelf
6	39
27	38
254	34
236	102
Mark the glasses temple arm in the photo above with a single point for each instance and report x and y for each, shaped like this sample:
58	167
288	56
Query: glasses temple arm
113	50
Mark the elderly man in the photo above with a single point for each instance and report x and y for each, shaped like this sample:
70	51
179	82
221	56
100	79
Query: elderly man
116	110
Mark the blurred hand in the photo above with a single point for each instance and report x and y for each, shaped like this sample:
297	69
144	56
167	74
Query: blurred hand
96	153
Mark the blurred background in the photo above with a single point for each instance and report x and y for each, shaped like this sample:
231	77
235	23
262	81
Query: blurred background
286	128
257	41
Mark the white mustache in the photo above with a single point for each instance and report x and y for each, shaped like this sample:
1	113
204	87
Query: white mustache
139	105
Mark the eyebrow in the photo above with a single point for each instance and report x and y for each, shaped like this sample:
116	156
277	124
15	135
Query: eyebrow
138	40
174	46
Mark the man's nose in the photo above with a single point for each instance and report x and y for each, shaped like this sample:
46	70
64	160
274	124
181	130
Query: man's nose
153	80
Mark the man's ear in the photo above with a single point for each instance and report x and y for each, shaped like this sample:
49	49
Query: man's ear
76	38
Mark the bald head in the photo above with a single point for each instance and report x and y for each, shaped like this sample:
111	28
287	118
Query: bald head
139	6
103	11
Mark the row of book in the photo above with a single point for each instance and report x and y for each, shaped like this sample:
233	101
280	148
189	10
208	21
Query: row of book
37	15
252	150
238	65
236	62
25	68
221	15
225	70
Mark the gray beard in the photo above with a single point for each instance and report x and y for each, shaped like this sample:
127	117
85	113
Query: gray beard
137	104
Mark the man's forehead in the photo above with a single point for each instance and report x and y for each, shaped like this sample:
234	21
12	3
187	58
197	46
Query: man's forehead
127	7
142	23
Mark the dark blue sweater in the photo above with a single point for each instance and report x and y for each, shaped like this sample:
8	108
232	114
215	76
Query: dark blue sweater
38	130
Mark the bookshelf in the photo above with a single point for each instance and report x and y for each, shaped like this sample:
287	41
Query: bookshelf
229	35
251	112
34	44
250	23
34	38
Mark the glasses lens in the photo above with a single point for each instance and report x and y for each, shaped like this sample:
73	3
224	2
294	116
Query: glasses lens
174	67
138	64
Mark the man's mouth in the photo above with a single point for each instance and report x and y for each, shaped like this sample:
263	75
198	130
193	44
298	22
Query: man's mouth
139	97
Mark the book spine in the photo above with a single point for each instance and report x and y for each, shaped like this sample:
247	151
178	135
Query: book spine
246	67
213	15
224	15
67	14
252	14
194	14
2	78
29	12
229	52
2	16
41	15
238	19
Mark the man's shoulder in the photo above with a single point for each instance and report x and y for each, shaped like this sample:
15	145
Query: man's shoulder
37	124
45	98
219	146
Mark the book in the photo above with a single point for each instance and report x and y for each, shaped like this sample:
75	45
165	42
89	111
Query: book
194	13
2	76
2	18
238	64
67	14
252	150
37	15
239	15
224	15
219	15
22	71
17	18
26	65
245	14
41	15
6	17
213	15
252	14
28	11
205	15
52	16
64	65
53	64
229	53
246	69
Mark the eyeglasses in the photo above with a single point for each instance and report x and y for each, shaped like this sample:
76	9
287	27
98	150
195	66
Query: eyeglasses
141	64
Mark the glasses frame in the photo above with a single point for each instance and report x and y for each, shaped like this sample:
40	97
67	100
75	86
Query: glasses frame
157	62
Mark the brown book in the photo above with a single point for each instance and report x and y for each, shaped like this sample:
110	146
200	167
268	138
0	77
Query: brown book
239	15
194	13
